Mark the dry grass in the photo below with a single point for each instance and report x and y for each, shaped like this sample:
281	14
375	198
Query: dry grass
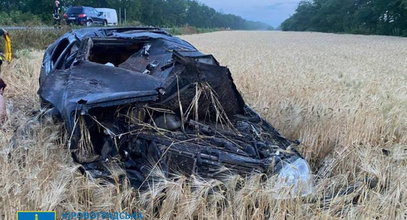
343	96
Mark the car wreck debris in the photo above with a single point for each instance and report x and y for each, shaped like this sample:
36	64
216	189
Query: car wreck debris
143	99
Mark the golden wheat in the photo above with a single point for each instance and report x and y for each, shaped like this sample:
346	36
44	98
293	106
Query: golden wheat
343	96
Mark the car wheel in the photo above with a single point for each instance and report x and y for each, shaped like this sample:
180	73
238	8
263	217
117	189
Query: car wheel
89	23
105	23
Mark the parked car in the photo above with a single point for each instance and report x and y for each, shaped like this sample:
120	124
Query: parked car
110	15
80	15
146	99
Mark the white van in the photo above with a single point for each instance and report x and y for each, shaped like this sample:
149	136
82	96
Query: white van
110	15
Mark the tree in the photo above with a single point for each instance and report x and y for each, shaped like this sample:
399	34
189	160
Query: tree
167	13
387	17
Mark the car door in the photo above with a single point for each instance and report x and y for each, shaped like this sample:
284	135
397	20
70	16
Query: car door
97	18
91	15
54	57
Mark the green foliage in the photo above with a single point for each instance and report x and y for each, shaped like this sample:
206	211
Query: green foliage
165	13
190	30
17	17
387	17
41	39
33	39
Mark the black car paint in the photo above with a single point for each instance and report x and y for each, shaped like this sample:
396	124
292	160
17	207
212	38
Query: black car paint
92	16
163	74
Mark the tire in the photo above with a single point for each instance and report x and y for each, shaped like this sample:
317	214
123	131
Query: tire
89	23
105	23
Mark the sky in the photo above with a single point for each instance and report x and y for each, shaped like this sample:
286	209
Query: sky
272	12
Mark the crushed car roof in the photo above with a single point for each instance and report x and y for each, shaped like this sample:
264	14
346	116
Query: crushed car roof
150	100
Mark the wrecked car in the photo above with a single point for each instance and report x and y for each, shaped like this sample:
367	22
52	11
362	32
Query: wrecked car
146	100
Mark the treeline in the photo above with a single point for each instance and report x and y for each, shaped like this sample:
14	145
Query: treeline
167	13
385	17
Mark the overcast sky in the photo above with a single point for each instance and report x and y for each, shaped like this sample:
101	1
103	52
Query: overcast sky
271	12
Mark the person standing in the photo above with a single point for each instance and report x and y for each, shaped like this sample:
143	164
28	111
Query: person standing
56	15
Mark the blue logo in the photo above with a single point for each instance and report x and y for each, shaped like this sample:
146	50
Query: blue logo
32	215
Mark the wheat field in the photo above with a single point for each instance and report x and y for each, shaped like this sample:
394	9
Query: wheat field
343	96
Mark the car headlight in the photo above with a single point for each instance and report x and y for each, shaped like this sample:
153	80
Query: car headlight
293	180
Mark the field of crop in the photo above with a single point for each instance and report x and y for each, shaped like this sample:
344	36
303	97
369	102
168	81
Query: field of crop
343	96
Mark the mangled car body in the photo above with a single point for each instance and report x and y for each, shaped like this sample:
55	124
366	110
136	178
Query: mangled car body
145	99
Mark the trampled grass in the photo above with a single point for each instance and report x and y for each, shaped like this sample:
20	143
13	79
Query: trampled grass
343	96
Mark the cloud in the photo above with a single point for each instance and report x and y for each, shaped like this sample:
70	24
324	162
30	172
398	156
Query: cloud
272	12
